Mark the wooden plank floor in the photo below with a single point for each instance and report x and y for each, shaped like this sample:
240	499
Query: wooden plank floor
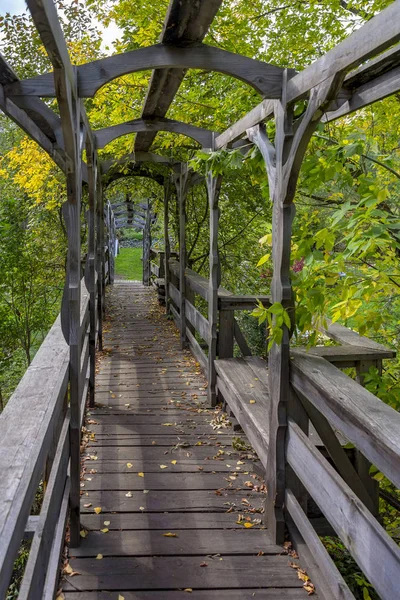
159	462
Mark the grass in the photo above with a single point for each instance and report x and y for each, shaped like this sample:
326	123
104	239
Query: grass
128	263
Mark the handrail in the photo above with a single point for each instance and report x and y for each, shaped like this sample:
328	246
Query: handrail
34	438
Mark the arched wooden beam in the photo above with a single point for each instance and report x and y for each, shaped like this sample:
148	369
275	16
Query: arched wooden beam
263	77
104	136
137	158
132	169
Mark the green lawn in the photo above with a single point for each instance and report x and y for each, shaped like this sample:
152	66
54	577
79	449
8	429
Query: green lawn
128	263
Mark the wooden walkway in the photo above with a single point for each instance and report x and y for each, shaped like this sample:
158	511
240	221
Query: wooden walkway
180	504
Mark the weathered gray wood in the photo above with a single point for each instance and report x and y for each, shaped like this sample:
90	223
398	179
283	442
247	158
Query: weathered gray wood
185	22
354	524
33	582
199	322
174	294
266	79
197	351
347	336
337	453
242	302
370	424
344	356
226	334
213	191
238	594
53	567
108	134
241	340
369	40
21	464
332	583
182	184
45	17
238	385
147	246
283	161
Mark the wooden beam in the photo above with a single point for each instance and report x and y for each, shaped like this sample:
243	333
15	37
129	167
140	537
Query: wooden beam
266	79
108	134
186	22
374	37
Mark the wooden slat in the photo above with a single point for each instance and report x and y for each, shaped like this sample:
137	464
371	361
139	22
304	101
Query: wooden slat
22	455
372	38
370	424
332	584
241	340
183	572
35	572
242	302
354	524
197	350
242	594
199	322
174	293
238	385
347	336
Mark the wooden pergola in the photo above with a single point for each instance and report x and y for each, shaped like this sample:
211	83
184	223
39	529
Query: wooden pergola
363	69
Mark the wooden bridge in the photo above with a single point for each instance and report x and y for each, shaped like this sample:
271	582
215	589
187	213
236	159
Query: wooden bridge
162	492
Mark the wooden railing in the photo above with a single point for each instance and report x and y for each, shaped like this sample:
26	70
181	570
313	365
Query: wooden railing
335	430
34	455
194	321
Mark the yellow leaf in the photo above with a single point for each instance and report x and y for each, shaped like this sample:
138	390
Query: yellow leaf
129	495
105	530
129	465
141	474
169	534
168	424
60	596
97	510
68	569
163	466
99	557
83	533
121	597
248	525
188	590
252	401
107	523
173	462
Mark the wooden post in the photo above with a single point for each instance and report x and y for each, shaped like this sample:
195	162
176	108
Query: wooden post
100	260
213	190
111	252
181	189
167	248
226	333
283	161
147	246
362	464
90	270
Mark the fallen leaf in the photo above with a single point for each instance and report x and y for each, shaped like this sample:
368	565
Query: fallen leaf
68	569
129	495
168	424
173	462
99	557
248	525
129	465
88	505
83	533
188	590
107	523
169	534
121	597
163	466
204	564
60	596
97	510
141	508
252	401
105	530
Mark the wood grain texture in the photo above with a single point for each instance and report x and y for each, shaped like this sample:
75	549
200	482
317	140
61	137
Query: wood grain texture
204	487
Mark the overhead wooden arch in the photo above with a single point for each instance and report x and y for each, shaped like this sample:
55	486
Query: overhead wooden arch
265	78
104	136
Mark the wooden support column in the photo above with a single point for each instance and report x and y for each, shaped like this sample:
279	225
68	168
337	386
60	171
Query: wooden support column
362	464
283	161
111	253
213	190
147	246
100	259
226	333
167	247
90	270
182	182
